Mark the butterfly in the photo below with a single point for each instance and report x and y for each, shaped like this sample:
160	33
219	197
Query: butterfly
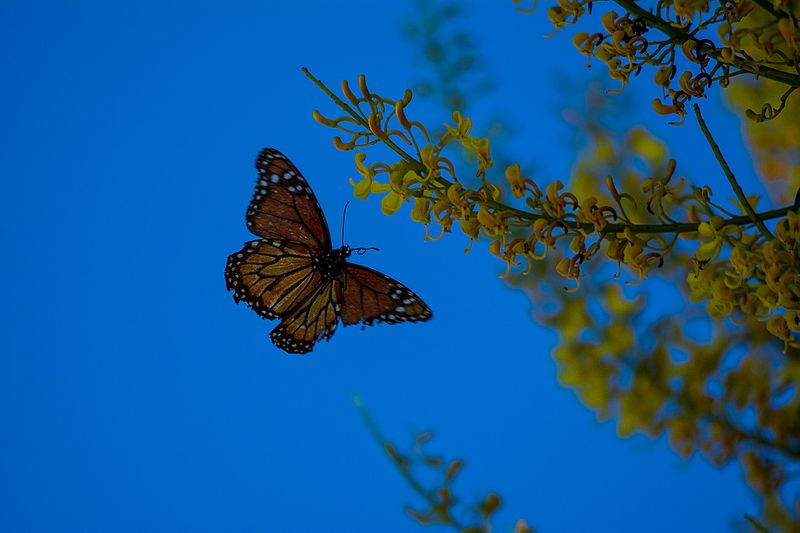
294	274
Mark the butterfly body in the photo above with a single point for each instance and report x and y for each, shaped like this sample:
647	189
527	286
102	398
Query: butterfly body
294	274
332	262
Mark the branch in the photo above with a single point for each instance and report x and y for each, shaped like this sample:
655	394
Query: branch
681	36
759	527
379	437
358	118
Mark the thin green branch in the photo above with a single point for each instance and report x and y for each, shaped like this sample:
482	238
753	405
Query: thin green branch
612	228
353	113
729	174
759	527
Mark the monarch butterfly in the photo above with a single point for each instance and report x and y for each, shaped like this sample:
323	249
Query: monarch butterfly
294	274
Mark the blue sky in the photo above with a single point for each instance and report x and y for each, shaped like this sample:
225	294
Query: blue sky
136	396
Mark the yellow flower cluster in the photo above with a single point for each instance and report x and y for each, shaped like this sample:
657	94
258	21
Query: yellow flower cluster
758	279
686	42
740	269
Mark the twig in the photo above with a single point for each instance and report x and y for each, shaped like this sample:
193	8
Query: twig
379	437
756	524
358	118
731	178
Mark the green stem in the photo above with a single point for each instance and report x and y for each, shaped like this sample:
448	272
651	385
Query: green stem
677	227
729	174
681	37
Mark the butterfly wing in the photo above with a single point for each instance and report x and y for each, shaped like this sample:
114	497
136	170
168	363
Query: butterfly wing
272	276
314	319
369	296
284	206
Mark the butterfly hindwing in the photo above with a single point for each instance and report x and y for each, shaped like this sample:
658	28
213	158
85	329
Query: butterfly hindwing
315	319
284	207
271	276
369	297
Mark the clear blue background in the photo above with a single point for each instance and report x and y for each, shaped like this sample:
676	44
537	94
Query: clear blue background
134	394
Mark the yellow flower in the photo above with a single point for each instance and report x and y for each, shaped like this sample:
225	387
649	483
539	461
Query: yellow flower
366	185
742	261
778	327
589	211
721	303
586	43
421	212
767	297
640	261
461	131
788	229
609	21
699	285
391	203
443	213
477	146
471	227
570	268
492	223
429	157
689	86
787	26
663	77
480	147
711	242
515	179
555	202
496	249
646	145
677	108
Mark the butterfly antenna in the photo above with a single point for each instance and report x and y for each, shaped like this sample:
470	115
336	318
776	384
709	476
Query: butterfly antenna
362	251
344	214
359	251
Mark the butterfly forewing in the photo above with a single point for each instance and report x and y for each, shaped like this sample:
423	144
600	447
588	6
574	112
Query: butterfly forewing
369	296
284	207
272	276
